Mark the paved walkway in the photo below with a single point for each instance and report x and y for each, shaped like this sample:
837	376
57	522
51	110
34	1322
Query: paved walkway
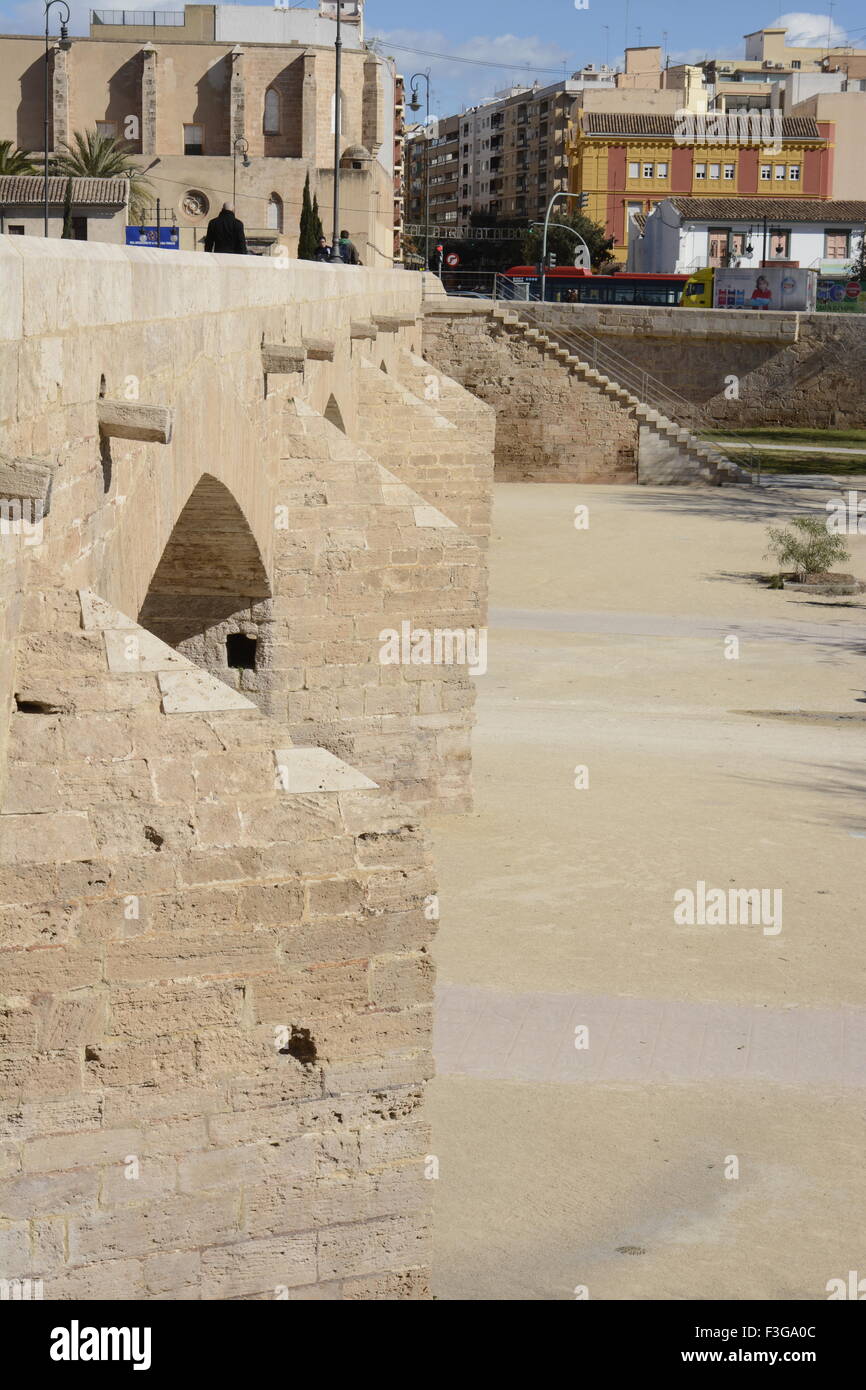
656	625
560	1165
531	1037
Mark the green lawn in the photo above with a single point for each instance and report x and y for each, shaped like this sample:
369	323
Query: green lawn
778	461
842	439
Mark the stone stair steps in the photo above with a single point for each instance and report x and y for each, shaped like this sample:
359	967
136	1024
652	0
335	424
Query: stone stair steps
712	464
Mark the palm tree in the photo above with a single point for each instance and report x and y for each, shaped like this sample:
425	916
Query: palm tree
14	161
94	156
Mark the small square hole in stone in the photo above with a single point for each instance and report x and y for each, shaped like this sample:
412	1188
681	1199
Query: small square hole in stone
241	651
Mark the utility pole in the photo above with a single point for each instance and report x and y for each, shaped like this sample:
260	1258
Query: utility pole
338	65
64	43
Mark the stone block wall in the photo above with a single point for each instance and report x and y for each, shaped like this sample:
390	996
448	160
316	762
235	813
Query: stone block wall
792	369
551	425
360	553
215	980
216	990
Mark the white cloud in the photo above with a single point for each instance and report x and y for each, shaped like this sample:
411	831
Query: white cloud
808	30
453	82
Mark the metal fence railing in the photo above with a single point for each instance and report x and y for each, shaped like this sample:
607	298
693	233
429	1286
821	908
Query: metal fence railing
158	19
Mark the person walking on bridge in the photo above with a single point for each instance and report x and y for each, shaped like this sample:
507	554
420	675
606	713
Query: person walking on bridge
225	233
348	250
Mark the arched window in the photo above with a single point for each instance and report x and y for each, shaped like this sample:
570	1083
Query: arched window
275	213
272	112
342	112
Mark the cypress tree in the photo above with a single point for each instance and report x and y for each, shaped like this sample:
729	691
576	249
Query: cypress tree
67	234
317	221
307	241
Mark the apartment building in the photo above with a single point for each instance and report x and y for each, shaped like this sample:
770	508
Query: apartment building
224	103
504	157
399	164
431	162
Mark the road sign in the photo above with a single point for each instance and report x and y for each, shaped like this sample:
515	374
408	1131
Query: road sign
452	258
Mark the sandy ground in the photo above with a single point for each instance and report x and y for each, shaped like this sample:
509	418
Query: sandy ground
608	652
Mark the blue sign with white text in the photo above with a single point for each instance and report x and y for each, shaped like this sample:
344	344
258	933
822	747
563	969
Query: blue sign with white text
169	237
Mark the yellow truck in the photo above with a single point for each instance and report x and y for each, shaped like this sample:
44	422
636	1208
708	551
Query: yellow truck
698	290
764	287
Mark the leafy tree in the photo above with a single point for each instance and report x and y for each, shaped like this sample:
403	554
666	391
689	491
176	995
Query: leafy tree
308	238
14	161
67	234
562	244
94	156
808	546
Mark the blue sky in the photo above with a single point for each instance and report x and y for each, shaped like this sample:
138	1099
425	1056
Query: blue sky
520	41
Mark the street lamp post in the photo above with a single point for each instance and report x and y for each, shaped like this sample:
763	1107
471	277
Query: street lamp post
582	200
415	105
242	145
64	40
338	116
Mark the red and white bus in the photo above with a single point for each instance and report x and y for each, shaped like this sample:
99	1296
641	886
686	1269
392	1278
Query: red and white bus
568	284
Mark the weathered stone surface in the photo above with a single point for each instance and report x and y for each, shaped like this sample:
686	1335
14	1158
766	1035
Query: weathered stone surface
215	1022
317	770
123	420
283	358
22	478
319	349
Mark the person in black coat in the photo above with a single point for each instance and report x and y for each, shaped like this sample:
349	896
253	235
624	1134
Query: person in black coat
225	233
322	251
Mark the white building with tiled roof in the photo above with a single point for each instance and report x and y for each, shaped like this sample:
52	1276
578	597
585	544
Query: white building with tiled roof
685	234
98	207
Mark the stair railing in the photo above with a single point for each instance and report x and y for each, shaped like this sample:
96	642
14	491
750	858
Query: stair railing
648	389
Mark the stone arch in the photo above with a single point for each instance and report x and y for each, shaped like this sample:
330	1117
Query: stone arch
275	213
334	414
210	581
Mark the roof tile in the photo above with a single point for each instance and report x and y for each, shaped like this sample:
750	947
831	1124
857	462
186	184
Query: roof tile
748	209
632	123
21	189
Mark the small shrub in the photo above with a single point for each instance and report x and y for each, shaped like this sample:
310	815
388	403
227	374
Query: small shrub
806	546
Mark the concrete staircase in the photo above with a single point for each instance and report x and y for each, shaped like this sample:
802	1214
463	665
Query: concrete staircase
668	452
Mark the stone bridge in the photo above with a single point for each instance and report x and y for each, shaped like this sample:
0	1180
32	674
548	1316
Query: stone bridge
239	512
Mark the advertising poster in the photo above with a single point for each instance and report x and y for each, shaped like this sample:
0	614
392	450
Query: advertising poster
767	287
